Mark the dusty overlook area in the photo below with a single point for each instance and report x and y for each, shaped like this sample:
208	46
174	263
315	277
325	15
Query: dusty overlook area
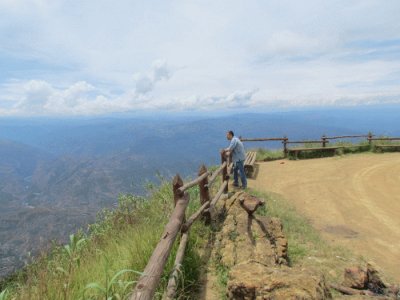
352	200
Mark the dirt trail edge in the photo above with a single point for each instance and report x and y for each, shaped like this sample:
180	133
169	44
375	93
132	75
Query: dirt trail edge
352	200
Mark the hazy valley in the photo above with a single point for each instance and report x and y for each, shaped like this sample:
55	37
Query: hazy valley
55	175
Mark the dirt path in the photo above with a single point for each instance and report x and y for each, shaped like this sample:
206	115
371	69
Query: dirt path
353	200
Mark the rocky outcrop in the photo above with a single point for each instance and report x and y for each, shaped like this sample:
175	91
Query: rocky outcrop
355	277
253	280
254	248
366	282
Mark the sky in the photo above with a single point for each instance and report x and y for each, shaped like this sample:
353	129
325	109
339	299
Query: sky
99	57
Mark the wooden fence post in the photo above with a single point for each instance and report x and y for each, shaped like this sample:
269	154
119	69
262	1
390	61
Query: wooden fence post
203	186
225	170
204	193
284	142
176	184
323	141
170	291
370	138
148	282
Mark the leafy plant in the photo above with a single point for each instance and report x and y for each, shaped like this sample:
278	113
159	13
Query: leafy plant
4	295
73	248
113	288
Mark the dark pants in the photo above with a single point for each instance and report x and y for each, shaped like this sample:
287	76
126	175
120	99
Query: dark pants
239	166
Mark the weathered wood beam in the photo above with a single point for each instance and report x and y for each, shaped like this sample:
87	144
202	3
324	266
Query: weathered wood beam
225	175
216	173
384	139
261	139
346	137
195	216
203	185
217	196
148	282
173	279
193	182
304	142
177	183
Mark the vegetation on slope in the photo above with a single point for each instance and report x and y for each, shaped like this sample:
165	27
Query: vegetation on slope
105	263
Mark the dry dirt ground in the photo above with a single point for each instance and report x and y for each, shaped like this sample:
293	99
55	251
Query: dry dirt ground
353	200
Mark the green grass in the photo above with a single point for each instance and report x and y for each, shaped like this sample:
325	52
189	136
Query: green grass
105	263
268	155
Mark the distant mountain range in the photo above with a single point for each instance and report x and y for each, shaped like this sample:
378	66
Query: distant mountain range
55	174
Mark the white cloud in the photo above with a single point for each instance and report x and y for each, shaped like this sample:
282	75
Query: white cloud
78	58
145	83
236	99
40	97
287	43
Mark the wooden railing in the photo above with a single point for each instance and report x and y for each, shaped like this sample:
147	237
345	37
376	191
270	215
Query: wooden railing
178	223
149	281
323	141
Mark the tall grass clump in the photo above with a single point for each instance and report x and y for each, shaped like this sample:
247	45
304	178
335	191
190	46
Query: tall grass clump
106	262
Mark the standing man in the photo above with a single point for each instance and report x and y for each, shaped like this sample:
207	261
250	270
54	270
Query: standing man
238	157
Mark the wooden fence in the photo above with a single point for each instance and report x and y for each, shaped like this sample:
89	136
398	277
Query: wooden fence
323	141
149	281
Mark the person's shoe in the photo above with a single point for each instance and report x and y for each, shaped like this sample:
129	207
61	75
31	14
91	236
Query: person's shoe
243	187
235	184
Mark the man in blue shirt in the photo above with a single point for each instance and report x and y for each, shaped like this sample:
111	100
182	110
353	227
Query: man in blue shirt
238	157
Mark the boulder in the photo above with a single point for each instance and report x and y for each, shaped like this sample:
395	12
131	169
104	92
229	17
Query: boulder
250	203
355	277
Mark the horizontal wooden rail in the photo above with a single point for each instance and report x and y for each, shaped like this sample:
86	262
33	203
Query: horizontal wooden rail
345	137
193	182
262	139
217	196
195	216
147	284
172	282
384	139
305	142
216	173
